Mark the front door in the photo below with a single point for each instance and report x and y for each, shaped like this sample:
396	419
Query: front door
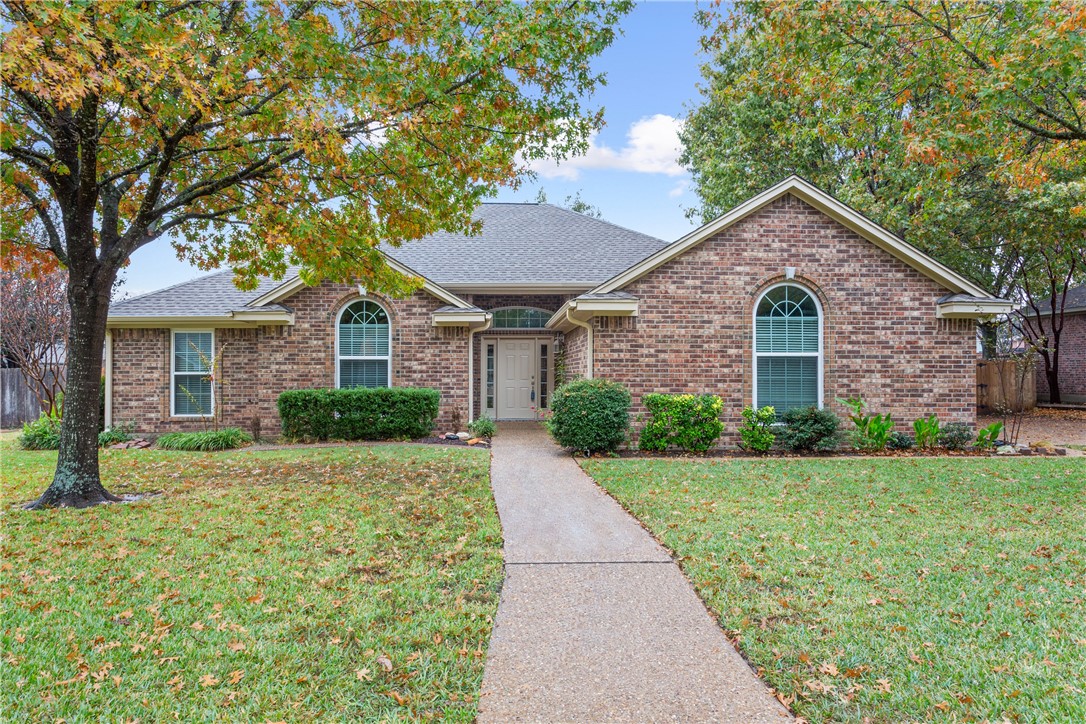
518	362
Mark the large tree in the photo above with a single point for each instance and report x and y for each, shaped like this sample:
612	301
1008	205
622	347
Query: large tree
262	134
944	122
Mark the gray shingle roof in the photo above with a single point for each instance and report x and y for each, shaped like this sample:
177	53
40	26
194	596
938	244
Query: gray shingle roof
208	296
520	244
528	244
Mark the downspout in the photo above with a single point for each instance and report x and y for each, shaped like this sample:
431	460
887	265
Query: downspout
588	350
471	365
108	421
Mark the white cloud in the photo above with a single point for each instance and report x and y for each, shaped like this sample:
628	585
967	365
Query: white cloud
679	189
652	146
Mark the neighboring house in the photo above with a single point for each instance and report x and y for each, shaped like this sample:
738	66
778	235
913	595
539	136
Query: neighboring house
1072	350
790	299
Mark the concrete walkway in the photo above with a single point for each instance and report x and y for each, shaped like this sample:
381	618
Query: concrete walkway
596	621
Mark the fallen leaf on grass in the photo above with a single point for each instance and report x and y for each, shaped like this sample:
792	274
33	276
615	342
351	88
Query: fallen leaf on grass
235	676
385	663
400	698
236	646
829	669
883	685
208	680
363	674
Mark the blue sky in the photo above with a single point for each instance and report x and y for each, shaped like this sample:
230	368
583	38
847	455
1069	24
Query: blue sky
629	173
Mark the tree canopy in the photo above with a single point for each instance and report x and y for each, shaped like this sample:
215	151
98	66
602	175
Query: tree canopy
260	134
959	126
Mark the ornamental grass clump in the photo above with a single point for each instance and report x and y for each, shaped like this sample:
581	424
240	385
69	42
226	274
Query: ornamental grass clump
688	422
590	416
872	431
226	438
41	434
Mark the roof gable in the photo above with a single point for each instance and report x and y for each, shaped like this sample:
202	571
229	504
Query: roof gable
821	201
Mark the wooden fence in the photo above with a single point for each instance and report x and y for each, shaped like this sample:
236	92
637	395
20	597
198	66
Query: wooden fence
18	403
1006	384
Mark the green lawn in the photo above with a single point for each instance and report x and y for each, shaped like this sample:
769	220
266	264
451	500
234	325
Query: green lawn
293	585
895	590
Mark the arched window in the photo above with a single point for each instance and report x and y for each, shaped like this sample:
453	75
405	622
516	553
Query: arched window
787	349
363	356
520	318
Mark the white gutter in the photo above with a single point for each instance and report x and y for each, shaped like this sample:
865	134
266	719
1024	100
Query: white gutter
588	351
108	422
471	365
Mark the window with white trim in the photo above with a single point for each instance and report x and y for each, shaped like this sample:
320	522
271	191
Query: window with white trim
363	349
192	388
519	318
787	349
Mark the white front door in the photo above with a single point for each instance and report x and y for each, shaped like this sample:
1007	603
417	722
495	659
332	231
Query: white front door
517	369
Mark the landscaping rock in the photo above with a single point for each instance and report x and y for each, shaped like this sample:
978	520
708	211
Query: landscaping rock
451	436
464	435
1006	450
138	443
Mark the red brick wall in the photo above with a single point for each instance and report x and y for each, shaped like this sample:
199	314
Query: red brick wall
881	338
1072	362
259	363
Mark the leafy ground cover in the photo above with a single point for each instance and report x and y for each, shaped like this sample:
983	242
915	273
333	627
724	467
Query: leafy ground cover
351	582
889	589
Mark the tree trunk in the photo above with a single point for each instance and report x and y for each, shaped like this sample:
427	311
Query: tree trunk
1052	373
76	482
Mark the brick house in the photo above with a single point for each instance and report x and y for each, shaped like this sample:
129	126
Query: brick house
791	299
1072	370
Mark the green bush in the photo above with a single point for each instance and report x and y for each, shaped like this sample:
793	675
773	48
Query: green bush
756	431
482	427
956	436
362	413
901	441
227	438
927	431
872	431
987	436
42	434
689	422
590	416
116	434
809	429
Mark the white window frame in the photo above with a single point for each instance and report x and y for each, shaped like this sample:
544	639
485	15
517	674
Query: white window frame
754	340
174	373
387	358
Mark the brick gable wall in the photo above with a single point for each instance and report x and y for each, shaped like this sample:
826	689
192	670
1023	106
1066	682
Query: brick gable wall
1072	362
259	363
881	338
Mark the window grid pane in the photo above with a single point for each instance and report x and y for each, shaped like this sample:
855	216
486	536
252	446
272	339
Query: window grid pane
490	377
363	373
543	381
519	318
787	382
787	334
192	394
192	351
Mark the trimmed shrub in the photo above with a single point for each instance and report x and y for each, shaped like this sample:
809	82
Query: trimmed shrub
756	432
901	441
689	422
115	434
362	413
482	427
226	438
956	436
809	429
42	434
590	416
